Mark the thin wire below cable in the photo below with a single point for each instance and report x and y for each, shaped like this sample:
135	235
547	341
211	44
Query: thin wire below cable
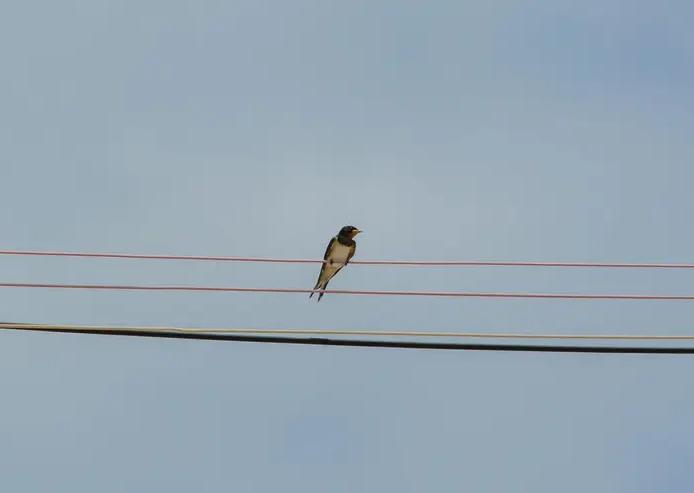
360	333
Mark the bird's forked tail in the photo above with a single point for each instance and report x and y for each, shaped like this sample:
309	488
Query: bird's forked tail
318	286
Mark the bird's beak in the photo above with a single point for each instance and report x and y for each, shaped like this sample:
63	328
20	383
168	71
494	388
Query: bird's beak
357	232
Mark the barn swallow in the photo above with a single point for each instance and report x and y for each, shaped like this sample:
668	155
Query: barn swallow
338	254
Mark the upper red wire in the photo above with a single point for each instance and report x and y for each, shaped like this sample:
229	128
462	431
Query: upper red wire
432	263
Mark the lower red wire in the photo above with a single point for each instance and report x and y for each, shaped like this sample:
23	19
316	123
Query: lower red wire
450	294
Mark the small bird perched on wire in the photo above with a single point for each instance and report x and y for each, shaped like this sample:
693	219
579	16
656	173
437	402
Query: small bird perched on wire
338	254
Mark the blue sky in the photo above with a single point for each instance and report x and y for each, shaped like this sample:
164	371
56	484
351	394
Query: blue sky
444	130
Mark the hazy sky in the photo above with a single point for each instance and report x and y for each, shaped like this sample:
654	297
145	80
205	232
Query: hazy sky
548	130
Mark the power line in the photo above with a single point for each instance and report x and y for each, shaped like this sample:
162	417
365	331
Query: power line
430	263
363	342
450	294
338	332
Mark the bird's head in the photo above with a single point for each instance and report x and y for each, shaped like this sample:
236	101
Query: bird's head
349	231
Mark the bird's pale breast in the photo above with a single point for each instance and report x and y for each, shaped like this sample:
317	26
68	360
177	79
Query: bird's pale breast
339	254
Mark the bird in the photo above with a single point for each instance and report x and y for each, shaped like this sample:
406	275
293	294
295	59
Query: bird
338	254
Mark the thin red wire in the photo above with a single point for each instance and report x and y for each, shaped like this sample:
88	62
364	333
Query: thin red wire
356	262
454	294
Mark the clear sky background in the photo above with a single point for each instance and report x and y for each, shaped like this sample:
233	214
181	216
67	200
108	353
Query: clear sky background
547	130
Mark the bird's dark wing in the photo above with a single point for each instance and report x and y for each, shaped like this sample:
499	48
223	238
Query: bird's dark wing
325	258
330	247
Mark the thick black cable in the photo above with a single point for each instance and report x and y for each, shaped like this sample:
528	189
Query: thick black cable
315	341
